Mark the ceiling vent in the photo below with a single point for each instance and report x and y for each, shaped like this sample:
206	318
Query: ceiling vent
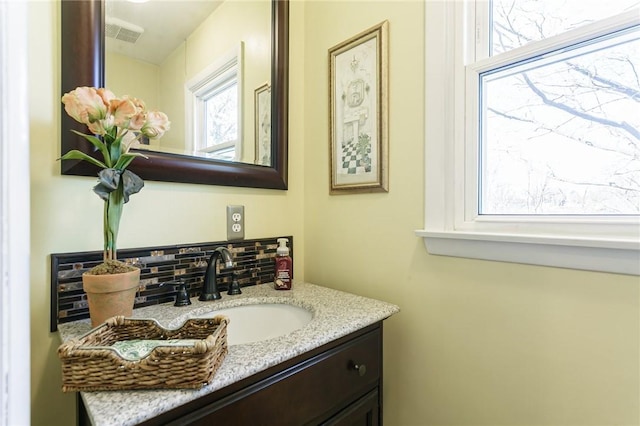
122	30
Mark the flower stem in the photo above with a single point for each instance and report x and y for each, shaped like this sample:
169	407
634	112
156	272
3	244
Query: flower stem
112	214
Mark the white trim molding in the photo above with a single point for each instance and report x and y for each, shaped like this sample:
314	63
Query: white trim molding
14	217
560	252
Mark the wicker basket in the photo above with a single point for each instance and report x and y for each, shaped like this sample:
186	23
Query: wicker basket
90	363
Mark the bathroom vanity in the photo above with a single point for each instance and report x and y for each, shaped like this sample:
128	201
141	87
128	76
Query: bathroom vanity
327	372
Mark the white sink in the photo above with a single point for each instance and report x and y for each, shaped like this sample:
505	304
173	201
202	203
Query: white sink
253	323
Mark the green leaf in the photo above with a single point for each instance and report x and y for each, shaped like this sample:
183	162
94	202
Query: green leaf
126	159
98	144
74	154
114	148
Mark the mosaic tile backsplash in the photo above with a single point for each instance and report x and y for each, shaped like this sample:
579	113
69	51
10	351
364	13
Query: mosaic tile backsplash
253	263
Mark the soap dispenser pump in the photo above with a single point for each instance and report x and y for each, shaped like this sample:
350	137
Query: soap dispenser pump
284	265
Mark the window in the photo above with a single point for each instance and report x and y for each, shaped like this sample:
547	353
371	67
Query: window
220	119
213	109
533	147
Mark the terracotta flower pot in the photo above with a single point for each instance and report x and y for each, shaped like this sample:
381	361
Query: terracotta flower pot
110	295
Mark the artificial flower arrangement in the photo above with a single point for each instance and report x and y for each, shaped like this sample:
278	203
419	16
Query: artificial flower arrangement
117	124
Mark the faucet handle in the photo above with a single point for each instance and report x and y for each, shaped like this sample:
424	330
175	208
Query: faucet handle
182	296
234	287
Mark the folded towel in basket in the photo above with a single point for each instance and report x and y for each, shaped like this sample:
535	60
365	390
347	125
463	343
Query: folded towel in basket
134	350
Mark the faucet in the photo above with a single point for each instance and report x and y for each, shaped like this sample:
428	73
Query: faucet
209	286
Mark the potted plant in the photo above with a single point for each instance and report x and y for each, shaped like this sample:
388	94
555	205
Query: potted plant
116	125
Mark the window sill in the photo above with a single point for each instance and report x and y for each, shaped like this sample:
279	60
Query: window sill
622	257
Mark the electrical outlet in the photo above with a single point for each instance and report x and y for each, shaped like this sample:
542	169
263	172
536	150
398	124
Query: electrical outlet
235	222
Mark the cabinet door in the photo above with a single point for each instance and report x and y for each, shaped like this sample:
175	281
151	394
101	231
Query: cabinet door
363	412
308	393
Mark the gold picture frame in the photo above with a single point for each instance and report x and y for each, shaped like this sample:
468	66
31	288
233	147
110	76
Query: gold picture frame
358	116
262	103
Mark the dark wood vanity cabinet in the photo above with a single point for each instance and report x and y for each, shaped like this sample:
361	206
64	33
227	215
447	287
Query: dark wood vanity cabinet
339	383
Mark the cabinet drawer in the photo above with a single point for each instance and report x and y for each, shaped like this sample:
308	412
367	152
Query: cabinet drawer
308	393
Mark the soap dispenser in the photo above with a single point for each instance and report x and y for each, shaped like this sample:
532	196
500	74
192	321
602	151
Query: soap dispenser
284	266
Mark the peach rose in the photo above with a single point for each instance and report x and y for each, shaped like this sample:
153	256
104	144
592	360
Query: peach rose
106	95
138	120
101	127
84	105
157	124
122	110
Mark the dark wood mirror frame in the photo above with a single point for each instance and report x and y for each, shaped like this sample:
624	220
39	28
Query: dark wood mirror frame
82	64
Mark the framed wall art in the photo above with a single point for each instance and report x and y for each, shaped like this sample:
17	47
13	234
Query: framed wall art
358	117
263	125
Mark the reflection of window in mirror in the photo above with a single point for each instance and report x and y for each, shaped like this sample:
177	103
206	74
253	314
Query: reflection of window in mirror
213	108
217	113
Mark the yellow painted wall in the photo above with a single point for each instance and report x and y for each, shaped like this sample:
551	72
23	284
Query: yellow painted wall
66	216
476	342
128	76
171	100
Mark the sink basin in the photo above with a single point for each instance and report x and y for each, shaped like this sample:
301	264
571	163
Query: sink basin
253	323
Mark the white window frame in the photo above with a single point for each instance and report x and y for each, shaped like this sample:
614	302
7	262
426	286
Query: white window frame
452	224
226	68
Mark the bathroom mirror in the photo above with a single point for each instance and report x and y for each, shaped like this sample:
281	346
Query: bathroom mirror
83	64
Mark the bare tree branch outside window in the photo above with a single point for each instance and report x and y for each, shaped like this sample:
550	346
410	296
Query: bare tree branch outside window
561	135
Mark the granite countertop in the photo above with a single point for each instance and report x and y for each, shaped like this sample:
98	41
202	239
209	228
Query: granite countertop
335	314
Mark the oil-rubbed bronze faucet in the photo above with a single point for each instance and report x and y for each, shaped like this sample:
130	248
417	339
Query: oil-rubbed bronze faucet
210	286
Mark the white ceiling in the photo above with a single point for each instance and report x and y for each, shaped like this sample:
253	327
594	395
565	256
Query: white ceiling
166	24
